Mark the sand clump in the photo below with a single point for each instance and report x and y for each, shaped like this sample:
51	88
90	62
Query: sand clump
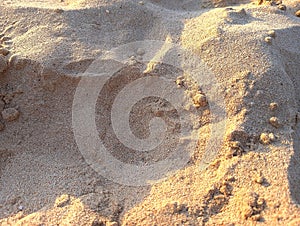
274	121
200	100
267	138
253	52
273	106
10	114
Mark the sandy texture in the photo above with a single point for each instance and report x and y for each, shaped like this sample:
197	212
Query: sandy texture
252	49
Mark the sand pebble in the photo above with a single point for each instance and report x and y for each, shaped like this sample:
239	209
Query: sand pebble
141	3
59	10
266	138
4	51
272	136
107	11
3	64
274	122
259	179
281	7
180	81
273	106
236	149
10	114
268	39
200	100
297	13
272	33
235	144
20	208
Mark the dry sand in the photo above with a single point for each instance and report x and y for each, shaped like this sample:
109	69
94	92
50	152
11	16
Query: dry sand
252	49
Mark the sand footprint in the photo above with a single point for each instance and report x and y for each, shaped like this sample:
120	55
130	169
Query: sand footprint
8	114
5	44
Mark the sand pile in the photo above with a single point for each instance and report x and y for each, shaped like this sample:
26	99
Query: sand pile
253	53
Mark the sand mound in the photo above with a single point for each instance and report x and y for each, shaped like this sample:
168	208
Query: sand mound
253	52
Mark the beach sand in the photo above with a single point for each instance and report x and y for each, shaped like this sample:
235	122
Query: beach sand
252	50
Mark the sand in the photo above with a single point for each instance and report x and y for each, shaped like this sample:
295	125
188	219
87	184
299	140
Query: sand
250	106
